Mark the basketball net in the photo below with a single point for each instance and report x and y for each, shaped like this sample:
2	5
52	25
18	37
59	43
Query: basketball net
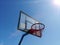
37	32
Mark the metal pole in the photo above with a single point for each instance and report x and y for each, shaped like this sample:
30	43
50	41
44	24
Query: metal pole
22	38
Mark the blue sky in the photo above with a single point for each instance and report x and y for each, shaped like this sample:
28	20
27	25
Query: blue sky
42	10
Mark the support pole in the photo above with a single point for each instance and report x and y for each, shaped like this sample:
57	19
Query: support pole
22	38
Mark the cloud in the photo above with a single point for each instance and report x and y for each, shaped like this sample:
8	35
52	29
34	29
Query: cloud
31	1
14	34
22	26
35	2
1	43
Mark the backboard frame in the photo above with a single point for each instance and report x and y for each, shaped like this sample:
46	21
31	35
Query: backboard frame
25	25
20	18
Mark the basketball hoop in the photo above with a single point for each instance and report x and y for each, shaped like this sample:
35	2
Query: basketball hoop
40	26
36	29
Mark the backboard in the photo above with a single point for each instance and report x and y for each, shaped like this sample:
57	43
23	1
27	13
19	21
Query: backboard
25	22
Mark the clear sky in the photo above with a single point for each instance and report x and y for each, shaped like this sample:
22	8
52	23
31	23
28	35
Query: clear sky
43	10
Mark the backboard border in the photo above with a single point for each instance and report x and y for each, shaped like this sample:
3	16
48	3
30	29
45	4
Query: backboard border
19	22
20	18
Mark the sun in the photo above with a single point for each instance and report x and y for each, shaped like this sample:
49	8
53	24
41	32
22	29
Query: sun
56	2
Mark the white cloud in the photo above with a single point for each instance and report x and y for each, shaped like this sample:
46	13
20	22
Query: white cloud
22	26
14	34
32	1
1	43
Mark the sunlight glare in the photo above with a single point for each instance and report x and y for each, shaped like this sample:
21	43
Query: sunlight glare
56	2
